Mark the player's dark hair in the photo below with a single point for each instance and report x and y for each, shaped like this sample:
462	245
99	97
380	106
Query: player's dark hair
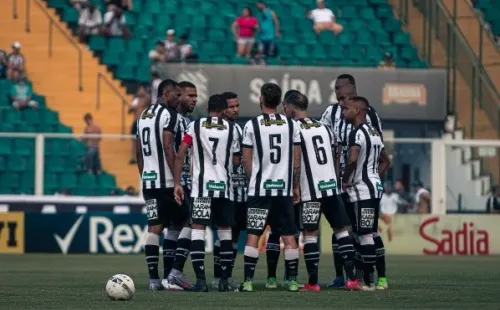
298	100
361	99
271	95
229	95
348	77
288	93
186	84
216	103
164	85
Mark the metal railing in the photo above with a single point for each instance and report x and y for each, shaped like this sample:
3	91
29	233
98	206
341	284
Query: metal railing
53	23
14	9
102	77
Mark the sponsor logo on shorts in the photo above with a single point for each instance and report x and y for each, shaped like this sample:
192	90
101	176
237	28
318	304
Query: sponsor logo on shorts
149	176
274	184
326	185
367	217
152	209
216	186
201	208
256	218
310	212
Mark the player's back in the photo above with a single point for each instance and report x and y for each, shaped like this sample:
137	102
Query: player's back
366	182
272	137
214	142
318	176
150	127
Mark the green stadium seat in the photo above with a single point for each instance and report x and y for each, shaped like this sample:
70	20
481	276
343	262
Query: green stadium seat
143	74
107	181
58	4
7	128
9	180
32	116
3	165
64	129
55	163
77	148
367	13
393	25
365	38
402	38
50	117
126	72
71	15
5	146
51	183
131	19
97	43
384	12
373	53
348	12
354	52
17	163
142	31
12	116
40	99
239	60
111	57
152	6
134	45
116	44
69	180
87	180
24	146
409	53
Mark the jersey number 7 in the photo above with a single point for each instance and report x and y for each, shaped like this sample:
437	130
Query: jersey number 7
215	142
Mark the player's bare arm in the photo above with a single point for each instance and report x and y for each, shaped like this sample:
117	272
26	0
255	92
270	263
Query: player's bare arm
138	155
296	173
178	165
168	148
247	161
352	160
384	163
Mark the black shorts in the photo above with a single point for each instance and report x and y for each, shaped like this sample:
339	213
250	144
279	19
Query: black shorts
217	212
133	128
274	211
366	214
163	209
240	216
332	207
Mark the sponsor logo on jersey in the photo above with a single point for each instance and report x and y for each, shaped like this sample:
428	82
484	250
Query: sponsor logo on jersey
152	209
274	184
147	115
367	217
256	218
201	208
326	185
310	125
271	122
310	212
210	125
216	186
149	176
200	80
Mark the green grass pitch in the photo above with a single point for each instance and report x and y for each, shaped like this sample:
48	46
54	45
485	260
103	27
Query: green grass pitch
78	281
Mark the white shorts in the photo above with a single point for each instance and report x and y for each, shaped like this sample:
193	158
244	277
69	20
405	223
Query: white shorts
246	40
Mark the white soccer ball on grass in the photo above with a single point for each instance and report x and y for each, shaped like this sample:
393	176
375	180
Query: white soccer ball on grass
120	287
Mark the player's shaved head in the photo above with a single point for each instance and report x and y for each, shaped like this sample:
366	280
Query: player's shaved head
345	93
361	102
217	103
297	100
270	95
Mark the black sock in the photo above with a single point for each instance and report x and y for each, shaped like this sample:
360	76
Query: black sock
183	249
380	253
272	254
217	269
358	260
152	252
235	253
368	252
226	251
291	263
251	258
169	249
337	260
311	257
345	250
198	252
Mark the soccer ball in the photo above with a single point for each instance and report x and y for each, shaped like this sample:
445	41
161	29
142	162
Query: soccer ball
120	287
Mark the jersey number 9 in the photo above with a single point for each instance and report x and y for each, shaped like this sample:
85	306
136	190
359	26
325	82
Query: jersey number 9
146	141
274	145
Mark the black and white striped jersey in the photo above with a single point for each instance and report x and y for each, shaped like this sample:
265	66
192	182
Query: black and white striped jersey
365	182
318	178
271	137
150	127
238	177
214	141
183	124
333	118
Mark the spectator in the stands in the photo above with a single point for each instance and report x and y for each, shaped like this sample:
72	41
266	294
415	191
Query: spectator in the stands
404	197
324	19
170	44
21	92
92	156
79	4
158	54
90	22
155	82
185	50
115	23
141	102
124	4
269	26
493	202
244	28
16	61
3	64
388	62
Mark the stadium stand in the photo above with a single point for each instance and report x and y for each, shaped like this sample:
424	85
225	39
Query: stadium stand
63	168
370	30
491	14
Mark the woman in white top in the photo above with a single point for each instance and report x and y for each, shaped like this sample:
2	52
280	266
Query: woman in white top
389	207
324	19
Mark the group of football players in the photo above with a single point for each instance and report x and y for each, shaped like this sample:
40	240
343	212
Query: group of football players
283	170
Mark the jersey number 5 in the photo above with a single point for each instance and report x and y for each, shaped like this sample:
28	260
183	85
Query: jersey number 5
274	145
146	141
